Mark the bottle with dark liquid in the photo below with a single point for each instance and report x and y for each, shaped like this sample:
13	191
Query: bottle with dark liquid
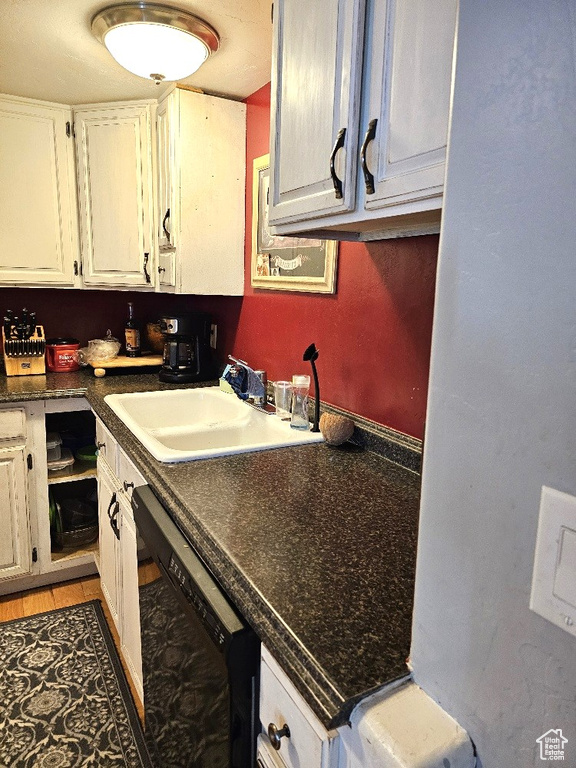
132	331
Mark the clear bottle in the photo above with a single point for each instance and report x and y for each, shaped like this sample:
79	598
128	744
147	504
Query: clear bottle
132	332
300	389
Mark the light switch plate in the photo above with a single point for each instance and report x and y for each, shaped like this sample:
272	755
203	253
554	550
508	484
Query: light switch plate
553	593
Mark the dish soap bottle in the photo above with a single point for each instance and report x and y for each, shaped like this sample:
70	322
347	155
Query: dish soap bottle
132	332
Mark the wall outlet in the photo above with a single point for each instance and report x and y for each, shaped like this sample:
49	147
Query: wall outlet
213	335
554	577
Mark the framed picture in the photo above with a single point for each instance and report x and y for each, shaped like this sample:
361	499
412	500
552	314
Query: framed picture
286	263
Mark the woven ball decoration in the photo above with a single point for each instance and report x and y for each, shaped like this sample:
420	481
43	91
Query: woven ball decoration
336	429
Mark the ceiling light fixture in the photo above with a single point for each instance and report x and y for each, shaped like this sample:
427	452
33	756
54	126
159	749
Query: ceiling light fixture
155	41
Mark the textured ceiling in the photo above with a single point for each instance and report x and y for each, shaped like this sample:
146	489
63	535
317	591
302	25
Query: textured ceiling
47	51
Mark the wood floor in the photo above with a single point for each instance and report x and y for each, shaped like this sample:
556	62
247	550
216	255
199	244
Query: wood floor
21	604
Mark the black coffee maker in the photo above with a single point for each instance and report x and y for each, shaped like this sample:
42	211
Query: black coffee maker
187	353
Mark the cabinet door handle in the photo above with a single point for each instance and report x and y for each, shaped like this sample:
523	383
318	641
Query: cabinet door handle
146	273
112	502
275	734
113	523
338	145
127	485
368	177
164	220
161	270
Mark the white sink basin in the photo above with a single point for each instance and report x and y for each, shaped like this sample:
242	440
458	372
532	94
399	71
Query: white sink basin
188	424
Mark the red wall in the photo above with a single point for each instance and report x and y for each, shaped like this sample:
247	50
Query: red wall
373	334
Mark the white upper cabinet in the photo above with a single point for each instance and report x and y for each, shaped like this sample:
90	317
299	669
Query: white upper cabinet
201	157
38	218
115	192
358	147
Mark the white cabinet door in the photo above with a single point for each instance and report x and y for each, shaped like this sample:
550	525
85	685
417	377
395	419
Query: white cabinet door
38	218
317	69
166	194
309	743
409	97
114	147
15	549
130	623
108	515
165	131
201	186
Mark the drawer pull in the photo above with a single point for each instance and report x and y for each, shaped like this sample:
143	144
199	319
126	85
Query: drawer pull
275	734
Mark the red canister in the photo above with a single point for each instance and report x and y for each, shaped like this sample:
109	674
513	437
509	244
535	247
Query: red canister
61	355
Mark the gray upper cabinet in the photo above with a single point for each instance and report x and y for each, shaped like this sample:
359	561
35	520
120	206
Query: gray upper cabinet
360	111
316	97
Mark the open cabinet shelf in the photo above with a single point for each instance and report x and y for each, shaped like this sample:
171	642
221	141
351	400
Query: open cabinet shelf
78	471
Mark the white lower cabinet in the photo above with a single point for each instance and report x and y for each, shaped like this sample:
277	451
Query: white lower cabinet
130	636
397	727
15	542
282	709
109	551
28	555
118	552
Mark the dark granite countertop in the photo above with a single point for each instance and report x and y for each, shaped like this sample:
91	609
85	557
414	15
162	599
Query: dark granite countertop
315	545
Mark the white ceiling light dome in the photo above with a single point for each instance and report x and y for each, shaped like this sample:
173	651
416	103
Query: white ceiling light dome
154	41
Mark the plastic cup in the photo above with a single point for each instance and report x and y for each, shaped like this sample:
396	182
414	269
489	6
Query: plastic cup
283	398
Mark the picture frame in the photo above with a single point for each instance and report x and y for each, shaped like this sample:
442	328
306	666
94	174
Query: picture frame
286	263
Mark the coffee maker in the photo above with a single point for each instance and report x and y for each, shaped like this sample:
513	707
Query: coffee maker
187	353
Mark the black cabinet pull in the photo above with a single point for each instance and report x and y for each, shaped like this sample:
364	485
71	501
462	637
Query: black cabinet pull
164	220
368	177
335	180
146	273
112	502
113	523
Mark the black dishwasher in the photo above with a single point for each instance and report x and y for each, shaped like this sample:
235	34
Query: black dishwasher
200	659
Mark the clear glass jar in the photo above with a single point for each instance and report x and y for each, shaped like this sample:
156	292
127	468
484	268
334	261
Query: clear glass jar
300	389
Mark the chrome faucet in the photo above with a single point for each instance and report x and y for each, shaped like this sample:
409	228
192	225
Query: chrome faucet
261	399
256	384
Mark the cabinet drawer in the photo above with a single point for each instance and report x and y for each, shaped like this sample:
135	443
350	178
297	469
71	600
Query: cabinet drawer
107	446
128	475
309	744
12	424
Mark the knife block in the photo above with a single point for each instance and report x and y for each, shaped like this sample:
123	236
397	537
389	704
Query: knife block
25	357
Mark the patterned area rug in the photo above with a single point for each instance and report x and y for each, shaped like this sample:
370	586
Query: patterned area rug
64	698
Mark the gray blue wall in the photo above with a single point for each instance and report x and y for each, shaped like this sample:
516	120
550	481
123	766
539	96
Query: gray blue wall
502	398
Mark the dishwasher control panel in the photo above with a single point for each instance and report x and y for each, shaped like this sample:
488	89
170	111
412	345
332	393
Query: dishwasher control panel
181	579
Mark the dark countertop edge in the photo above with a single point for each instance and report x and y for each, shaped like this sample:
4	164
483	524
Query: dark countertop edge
309	678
